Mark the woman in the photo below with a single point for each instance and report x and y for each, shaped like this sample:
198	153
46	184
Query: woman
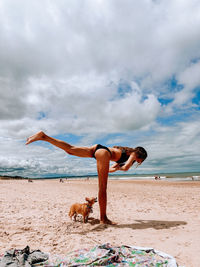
124	158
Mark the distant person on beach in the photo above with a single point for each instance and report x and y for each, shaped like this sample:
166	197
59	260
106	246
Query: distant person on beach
124	158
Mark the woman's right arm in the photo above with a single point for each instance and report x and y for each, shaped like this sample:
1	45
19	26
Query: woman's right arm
115	167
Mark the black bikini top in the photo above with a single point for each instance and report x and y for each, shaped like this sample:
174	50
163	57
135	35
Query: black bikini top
124	157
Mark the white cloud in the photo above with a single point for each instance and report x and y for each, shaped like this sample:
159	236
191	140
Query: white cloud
189	79
174	147
82	104
182	97
46	38
62	65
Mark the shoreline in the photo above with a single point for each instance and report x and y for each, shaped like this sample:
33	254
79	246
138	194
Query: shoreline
110	178
187	176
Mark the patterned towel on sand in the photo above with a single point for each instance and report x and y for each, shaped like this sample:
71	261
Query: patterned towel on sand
107	255
103	255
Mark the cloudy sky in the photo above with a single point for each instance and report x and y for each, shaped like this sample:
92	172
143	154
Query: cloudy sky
115	72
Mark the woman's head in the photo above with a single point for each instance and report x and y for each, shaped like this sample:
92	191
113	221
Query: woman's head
140	153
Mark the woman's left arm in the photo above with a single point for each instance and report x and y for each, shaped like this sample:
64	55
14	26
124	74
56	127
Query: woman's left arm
128	164
115	167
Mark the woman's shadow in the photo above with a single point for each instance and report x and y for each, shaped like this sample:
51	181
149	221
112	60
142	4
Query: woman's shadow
138	224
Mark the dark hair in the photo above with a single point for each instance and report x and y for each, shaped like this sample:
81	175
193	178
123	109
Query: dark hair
139	151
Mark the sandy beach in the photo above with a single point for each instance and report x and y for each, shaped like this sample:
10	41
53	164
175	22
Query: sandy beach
159	214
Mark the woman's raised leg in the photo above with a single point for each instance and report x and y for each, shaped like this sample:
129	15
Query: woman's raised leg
72	150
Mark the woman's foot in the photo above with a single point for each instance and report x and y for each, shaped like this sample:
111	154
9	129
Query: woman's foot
107	221
38	136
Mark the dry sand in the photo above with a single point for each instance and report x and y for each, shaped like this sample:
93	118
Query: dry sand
159	214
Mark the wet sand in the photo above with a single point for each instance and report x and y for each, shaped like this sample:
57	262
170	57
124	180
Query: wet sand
159	214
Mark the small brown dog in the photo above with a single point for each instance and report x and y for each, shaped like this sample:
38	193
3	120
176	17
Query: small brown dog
84	209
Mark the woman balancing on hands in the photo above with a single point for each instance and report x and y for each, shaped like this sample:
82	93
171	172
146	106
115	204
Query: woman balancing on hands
124	158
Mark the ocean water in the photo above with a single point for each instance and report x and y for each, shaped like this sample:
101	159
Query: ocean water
196	178
185	176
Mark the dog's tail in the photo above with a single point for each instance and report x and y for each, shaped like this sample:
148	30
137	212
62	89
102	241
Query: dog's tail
70	214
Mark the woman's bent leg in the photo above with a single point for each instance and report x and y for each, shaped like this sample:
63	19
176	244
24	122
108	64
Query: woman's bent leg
73	150
103	160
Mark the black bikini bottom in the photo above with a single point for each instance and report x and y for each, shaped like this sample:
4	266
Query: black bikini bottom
101	147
